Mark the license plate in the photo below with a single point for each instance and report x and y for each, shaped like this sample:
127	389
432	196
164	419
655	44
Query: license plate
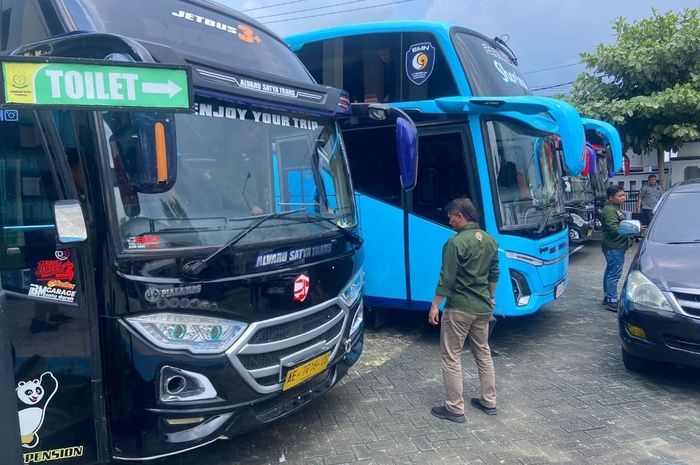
559	290
307	370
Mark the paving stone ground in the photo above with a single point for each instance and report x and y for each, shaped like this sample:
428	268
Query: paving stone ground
564	397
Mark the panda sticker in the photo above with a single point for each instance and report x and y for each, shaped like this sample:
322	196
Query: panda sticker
34	396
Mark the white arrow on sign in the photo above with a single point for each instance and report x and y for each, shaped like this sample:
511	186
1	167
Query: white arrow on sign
169	88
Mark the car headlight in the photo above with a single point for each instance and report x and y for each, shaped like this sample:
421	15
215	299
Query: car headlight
196	334
642	291
353	290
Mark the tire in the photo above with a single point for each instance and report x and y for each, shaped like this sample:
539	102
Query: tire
633	363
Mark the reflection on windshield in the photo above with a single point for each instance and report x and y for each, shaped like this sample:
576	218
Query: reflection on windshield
672	222
233	165
576	190
599	180
527	173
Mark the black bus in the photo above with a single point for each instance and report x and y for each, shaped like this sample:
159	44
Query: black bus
170	277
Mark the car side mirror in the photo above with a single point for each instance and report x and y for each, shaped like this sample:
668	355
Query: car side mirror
70	222
629	228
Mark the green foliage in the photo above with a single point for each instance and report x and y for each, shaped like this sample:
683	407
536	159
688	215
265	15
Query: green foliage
647	84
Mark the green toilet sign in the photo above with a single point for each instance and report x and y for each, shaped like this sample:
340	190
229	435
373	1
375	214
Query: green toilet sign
58	82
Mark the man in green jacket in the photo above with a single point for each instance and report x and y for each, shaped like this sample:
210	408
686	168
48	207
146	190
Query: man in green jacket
614	245
468	281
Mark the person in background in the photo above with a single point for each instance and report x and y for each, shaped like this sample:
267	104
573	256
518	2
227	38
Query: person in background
614	245
649	196
468	280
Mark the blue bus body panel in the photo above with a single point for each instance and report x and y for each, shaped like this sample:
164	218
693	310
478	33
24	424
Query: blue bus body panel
382	227
426	239
608	132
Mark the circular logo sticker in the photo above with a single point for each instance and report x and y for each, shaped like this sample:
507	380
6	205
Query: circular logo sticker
479	236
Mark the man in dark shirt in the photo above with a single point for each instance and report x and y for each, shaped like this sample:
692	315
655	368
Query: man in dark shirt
468	281
614	245
649	196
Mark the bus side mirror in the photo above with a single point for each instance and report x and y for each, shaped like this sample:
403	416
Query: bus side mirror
70	222
407	152
148	148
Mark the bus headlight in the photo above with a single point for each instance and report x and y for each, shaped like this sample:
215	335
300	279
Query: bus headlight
193	333
357	320
353	290
641	290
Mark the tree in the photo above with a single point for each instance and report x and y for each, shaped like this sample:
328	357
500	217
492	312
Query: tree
647	84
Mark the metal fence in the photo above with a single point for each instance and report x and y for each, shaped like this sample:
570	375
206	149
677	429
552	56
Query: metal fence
630	204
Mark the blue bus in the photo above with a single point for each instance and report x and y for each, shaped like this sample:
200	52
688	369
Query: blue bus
482	135
584	195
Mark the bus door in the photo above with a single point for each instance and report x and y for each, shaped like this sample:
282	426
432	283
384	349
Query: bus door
383	198
51	306
446	171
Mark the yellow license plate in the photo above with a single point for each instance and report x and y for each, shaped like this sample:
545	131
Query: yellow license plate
589	233
306	370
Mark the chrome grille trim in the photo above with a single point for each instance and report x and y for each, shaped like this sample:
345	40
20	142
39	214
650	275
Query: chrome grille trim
292	341
243	347
685	307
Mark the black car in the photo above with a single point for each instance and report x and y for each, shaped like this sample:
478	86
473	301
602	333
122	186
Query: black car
659	313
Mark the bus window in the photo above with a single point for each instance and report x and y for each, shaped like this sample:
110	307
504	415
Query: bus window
28	190
374	164
21	24
442	175
373	67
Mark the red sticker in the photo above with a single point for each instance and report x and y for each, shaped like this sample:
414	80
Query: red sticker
54	269
301	288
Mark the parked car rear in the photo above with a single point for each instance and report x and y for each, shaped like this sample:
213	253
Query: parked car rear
659	313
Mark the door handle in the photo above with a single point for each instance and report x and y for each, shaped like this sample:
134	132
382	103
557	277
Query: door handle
13	251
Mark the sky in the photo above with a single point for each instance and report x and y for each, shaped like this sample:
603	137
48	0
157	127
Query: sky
544	34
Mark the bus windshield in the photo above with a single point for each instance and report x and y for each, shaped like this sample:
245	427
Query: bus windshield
599	179
192	29
527	173
489	70
234	164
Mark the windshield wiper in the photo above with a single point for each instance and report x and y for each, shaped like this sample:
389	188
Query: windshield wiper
355	237
193	268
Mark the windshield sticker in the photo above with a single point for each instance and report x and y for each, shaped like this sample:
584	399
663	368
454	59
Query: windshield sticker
509	77
262	117
143	242
263	87
281	257
241	31
420	61
33	397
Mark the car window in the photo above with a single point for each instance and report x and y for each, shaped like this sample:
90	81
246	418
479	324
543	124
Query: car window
673	221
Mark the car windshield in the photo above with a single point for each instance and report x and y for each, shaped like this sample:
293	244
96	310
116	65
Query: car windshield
674	221
235	164
527	174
